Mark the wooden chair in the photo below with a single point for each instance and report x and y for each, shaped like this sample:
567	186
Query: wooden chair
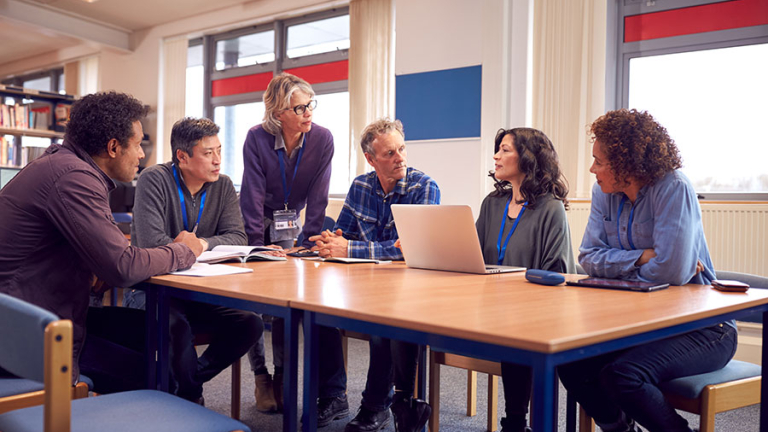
473	365
36	345
737	385
16	393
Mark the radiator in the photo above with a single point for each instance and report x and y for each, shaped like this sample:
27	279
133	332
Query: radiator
737	234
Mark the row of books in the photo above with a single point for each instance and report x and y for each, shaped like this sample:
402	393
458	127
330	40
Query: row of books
9	156
32	116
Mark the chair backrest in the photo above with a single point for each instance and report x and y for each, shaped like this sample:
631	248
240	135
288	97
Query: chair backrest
754	281
36	345
22	329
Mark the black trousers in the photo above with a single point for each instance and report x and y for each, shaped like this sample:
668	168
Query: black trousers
113	352
233	332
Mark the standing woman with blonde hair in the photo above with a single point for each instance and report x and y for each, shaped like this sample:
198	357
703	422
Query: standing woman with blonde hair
287	168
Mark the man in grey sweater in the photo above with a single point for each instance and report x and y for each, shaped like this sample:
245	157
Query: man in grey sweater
189	194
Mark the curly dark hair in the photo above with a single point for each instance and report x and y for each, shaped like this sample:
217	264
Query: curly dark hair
637	146
187	132
537	159
98	118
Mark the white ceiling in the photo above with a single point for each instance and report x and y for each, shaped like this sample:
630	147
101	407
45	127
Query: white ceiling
28	27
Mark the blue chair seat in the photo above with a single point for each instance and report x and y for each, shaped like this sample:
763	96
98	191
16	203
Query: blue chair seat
691	386
10	386
140	410
87	381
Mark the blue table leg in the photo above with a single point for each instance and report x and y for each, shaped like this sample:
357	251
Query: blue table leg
543	418
764	381
291	371
163	337
311	372
421	388
150	335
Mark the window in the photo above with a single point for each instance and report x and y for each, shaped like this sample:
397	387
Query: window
318	37
684	99
247	50
228	73
703	78
235	121
195	83
51	80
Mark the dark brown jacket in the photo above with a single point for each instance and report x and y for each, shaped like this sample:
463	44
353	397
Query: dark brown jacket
57	232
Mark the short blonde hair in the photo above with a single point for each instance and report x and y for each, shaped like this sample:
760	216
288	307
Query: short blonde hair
381	126
278	97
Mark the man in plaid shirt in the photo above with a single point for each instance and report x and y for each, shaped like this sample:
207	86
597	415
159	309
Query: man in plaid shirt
366	229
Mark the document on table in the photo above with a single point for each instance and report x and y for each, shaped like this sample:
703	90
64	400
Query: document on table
347	260
202	269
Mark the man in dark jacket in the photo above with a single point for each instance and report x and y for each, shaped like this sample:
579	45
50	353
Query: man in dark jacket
57	235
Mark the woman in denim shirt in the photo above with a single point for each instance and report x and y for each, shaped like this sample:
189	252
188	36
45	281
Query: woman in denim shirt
645	225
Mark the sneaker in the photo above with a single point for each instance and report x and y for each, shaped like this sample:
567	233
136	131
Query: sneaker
410	414
369	421
330	409
264	394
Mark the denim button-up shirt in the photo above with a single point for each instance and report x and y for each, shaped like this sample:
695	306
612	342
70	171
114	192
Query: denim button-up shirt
366	219
667	219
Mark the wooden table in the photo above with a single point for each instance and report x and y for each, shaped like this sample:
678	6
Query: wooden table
494	317
503	317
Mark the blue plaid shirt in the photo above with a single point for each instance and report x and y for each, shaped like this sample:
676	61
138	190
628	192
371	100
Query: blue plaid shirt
366	219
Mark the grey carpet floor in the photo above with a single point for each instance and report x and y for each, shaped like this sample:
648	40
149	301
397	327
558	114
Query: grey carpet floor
453	416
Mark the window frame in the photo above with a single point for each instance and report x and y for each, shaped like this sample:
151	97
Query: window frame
281	63
619	54
55	74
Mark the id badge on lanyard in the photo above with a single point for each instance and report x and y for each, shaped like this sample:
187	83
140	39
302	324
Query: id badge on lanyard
285	223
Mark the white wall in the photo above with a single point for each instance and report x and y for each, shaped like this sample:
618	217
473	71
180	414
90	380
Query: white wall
436	35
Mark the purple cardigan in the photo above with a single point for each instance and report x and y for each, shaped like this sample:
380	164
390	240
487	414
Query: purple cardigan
262	188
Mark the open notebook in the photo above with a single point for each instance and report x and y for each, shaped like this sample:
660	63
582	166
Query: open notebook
442	237
223	253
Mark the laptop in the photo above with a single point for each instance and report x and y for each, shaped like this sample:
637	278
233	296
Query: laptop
618	284
442	237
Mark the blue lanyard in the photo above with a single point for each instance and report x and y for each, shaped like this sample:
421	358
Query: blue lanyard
502	250
629	225
286	191
183	204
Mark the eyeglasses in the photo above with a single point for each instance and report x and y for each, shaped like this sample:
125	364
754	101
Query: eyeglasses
300	109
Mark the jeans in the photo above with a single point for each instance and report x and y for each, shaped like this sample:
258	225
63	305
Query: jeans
114	347
391	361
233	333
616	387
257	354
332	373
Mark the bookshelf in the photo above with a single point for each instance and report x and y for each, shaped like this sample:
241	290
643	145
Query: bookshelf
31	113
